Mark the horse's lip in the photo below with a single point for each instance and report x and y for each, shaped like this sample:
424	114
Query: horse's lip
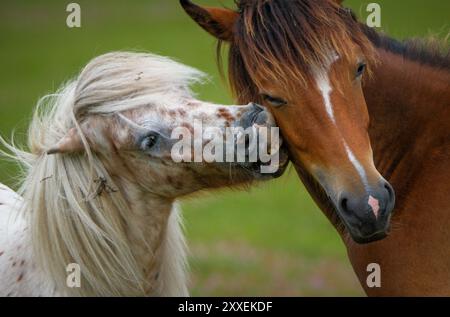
377	236
370	239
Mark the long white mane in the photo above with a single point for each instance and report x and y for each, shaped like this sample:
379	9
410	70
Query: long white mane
67	222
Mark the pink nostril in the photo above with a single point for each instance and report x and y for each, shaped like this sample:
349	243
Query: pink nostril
375	205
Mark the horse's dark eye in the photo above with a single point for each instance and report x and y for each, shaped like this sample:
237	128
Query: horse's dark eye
149	141
276	102
361	69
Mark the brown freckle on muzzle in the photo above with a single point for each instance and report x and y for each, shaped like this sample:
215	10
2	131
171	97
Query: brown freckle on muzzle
225	113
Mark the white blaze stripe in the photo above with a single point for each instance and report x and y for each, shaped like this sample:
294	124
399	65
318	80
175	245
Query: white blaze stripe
359	168
323	83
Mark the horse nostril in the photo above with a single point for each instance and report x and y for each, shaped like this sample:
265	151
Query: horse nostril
390	202
344	205
389	190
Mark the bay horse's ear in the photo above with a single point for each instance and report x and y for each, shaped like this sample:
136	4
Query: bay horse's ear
71	143
218	22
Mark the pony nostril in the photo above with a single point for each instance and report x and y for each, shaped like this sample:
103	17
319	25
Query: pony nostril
258	107
261	118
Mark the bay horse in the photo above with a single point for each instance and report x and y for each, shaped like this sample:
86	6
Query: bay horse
360	112
100	182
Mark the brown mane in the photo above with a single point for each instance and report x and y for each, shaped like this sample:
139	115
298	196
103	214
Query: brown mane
269	41
429	51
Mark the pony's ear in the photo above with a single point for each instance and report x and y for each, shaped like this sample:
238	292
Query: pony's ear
218	22
71	143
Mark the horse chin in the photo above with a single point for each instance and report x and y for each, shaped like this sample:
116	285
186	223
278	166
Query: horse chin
366	240
359	239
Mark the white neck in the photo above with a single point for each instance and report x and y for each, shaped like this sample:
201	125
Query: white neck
153	232
157	241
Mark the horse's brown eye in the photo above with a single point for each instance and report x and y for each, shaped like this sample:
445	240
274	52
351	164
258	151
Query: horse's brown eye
361	69
276	102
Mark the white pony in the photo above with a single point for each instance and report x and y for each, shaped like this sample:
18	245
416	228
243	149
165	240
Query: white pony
100	187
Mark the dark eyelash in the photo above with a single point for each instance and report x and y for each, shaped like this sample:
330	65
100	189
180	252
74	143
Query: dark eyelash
361	69
274	100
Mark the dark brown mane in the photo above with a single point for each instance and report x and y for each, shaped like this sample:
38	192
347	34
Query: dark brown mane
283	39
430	51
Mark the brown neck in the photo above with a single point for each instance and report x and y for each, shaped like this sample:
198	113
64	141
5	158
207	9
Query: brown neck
408	104
409	107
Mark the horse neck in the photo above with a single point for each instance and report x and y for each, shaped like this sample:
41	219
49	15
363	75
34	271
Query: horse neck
146	229
409	111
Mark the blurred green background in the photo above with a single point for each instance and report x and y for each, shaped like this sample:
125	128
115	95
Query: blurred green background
271	240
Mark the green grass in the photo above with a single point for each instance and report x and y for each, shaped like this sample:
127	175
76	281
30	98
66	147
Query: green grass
271	240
